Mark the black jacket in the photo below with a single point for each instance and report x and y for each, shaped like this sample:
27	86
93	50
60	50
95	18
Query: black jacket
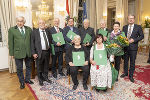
52	30
36	47
137	35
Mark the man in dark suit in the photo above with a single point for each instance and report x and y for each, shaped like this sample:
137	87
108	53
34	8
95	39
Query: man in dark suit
134	33
87	30
40	44
58	50
19	49
68	41
66	30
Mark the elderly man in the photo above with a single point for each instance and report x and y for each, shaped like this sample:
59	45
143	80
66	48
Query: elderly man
40	44
58	50
103	27
87	30
19	49
134	33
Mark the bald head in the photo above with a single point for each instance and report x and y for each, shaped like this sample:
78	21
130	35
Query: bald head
102	24
41	24
56	22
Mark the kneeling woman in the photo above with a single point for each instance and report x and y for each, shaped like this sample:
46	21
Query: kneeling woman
101	74
77	57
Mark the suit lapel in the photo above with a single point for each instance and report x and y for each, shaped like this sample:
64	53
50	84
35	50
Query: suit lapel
26	32
54	30
126	29
18	31
133	30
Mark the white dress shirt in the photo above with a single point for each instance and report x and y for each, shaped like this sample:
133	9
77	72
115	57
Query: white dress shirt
42	39
132	26
21	29
57	29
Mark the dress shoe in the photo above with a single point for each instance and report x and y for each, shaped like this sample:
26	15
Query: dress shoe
55	75
62	74
97	90
47	80
22	86
105	90
41	83
74	87
123	75
29	81
148	61
131	79
85	87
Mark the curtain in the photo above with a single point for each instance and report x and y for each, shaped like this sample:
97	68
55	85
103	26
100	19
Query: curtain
96	10
138	12
73	7
8	19
92	12
122	12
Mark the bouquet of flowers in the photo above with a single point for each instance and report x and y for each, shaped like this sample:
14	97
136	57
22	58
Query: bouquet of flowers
113	49
122	41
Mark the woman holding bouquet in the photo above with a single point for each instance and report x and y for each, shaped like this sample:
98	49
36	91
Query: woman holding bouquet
111	39
101	72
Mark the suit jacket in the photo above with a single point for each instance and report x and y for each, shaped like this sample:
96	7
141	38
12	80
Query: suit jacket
66	30
137	35
83	33
19	45
36	47
52	30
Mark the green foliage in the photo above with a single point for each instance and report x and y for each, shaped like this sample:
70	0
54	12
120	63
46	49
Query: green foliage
146	24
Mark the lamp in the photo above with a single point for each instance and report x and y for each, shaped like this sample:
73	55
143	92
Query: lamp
43	11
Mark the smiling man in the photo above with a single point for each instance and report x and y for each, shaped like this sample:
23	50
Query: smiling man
19	49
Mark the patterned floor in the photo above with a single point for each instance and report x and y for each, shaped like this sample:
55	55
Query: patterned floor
123	89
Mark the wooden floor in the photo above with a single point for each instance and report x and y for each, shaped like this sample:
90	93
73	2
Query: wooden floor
10	88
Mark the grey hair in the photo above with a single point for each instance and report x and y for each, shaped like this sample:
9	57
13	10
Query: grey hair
131	15
86	20
77	37
22	18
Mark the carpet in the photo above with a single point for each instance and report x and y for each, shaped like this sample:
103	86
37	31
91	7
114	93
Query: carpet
123	89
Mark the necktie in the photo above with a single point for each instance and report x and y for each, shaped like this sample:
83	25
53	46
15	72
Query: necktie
22	32
45	39
129	32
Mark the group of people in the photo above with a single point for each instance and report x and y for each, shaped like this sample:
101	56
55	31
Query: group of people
25	43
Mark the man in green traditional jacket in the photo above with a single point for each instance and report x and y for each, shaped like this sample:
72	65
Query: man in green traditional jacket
20	49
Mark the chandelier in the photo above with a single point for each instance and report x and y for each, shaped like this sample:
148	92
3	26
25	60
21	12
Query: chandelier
43	11
22	4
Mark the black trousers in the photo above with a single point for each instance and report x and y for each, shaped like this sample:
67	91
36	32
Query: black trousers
43	65
117	63
148	61
58	55
131	54
74	73
19	64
